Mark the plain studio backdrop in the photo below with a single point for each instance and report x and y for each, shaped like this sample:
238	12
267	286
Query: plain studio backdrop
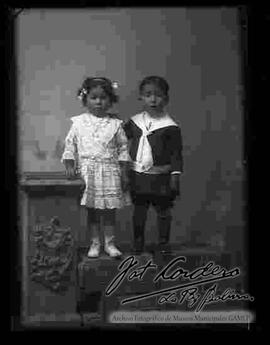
197	50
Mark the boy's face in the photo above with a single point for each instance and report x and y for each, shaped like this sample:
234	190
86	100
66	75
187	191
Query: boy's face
153	98
97	101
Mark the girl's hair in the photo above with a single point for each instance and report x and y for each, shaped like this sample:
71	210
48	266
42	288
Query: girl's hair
159	81
92	82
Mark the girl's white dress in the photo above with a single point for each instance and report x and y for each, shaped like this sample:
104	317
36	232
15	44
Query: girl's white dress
97	145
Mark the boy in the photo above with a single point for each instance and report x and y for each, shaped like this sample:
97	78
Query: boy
156	153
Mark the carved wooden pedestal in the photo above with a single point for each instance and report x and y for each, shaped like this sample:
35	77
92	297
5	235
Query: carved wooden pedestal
53	224
94	278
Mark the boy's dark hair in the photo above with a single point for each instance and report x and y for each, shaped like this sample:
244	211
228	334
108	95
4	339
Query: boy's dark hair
159	81
91	82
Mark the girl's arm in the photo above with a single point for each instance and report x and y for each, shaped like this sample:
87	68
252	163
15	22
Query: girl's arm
122	145
69	154
123	155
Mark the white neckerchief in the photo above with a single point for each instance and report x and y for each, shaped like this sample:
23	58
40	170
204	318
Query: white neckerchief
144	157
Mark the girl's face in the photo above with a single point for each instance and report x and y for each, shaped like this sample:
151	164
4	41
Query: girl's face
154	99
98	101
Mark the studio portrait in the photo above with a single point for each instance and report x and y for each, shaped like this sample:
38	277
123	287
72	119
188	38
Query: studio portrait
132	167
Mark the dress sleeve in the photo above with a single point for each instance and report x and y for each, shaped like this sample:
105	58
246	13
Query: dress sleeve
70	150
122	144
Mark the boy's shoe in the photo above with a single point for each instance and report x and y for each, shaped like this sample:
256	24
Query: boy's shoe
163	246
111	249
94	250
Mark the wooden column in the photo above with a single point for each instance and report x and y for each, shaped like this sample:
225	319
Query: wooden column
44	196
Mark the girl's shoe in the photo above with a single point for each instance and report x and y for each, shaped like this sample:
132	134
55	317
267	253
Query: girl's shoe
94	249
110	248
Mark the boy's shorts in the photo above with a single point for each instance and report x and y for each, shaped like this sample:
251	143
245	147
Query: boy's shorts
150	188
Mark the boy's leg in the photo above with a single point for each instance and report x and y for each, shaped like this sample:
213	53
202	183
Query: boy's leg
141	205
109	233
163	208
139	189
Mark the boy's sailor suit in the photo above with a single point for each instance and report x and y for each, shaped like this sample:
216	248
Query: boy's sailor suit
155	148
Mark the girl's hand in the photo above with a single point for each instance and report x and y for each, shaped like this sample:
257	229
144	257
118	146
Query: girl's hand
70	172
175	184
70	169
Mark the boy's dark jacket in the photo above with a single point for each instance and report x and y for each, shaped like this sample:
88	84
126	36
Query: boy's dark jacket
166	144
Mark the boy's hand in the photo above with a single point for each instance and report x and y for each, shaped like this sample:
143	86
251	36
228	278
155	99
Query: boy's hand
175	184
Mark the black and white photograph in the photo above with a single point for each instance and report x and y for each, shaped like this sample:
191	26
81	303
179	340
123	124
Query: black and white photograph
132	164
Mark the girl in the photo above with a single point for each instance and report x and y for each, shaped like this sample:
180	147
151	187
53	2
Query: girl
96	146
156	152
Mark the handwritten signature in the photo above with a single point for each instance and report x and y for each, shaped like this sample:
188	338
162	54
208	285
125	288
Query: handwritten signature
209	273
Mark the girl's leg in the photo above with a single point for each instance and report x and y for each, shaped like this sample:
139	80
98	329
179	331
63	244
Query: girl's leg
93	222
109	233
